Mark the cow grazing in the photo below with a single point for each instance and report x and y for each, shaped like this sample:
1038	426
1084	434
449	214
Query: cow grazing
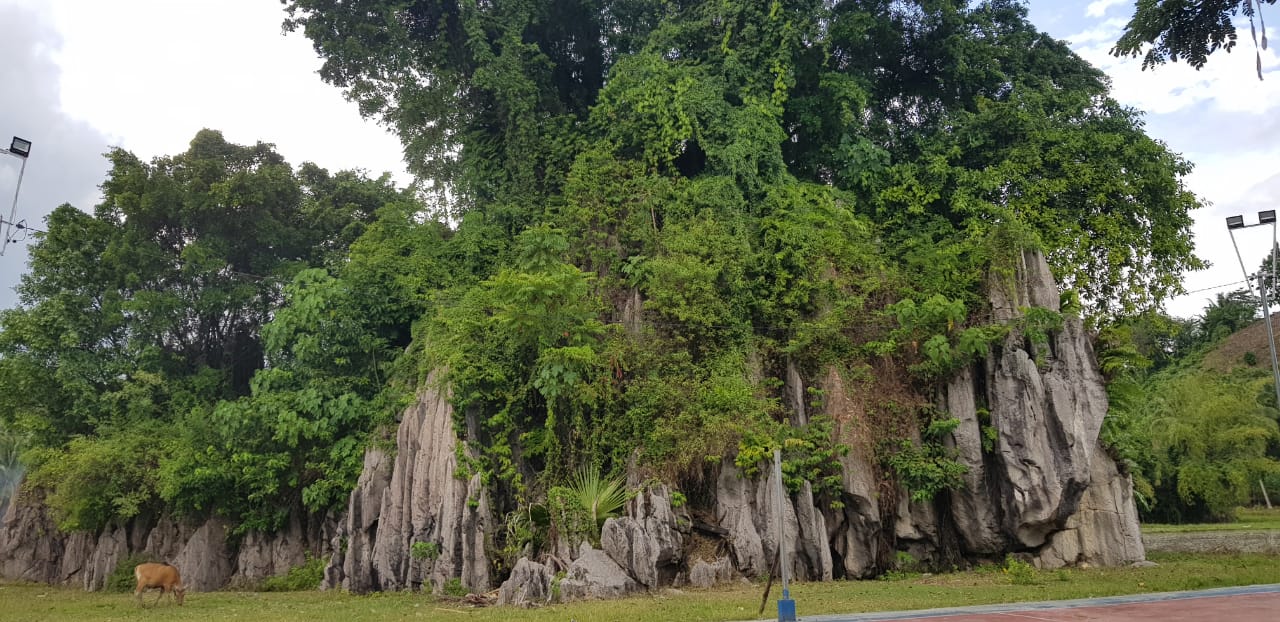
161	576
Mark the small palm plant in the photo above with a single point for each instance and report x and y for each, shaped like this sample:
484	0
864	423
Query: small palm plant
600	498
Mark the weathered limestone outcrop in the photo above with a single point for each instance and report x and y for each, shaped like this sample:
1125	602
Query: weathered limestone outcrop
207	561
977	520
648	542
705	574
1104	530
413	498
261	556
1046	405
529	584
745	507
1037	483
852	530
594	575
32	549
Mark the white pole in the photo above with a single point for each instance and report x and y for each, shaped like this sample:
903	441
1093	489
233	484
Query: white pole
782	523
13	211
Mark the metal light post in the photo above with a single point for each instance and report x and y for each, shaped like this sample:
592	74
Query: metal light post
1237	222
19	148
786	606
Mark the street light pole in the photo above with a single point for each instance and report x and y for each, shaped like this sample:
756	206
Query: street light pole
1237	222
19	148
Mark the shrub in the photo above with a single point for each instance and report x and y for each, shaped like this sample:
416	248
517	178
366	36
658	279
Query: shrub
306	576
121	579
1020	572
424	551
453	587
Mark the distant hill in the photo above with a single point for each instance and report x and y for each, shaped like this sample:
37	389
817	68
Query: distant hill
1232	353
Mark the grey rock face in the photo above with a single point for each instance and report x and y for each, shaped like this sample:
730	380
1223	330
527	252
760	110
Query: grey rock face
977	519
747	509
529	584
351	567
31	547
112	546
1047	406
594	575
852	530
206	562
646	543
1104	530
267	555
415	497
705	574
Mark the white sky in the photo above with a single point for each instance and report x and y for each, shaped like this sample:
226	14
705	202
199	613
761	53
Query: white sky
147	74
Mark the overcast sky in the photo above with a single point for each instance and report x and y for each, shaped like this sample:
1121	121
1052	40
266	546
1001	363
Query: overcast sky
81	75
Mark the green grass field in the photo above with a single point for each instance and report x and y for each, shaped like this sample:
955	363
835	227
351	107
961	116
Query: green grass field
1247	519
28	602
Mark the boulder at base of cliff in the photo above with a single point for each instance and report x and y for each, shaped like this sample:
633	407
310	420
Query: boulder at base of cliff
529	585
594	575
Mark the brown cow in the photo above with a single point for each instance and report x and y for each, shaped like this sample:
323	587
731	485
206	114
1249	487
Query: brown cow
161	576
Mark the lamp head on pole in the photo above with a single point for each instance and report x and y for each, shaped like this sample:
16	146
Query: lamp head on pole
1235	222
20	147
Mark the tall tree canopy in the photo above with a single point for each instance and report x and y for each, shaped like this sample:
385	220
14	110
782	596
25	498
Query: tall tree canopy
938	115
137	321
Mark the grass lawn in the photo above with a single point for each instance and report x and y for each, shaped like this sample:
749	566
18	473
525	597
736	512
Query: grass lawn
28	602
1247	519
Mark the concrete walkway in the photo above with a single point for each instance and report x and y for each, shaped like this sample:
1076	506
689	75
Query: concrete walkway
1254	603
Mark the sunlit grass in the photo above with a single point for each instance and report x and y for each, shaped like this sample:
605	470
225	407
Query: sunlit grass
984	586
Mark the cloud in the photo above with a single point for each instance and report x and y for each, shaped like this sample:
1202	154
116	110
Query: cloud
66	163
1228	81
1221	118
1098	8
154	72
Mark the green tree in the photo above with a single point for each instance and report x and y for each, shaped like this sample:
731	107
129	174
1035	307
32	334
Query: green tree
1210	440
662	208
138	354
1189	31
1228	313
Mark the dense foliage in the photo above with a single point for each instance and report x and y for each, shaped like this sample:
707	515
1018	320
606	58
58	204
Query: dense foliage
1188	31
1200	440
656	213
173	349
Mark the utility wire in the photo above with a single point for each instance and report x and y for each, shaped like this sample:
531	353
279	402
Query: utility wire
1205	289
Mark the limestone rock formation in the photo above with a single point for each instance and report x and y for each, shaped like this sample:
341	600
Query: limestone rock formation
648	542
529	584
1037	483
266	555
1046	405
1104	530
413	498
594	575
33	549
30	549
852	529
705	574
745	507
